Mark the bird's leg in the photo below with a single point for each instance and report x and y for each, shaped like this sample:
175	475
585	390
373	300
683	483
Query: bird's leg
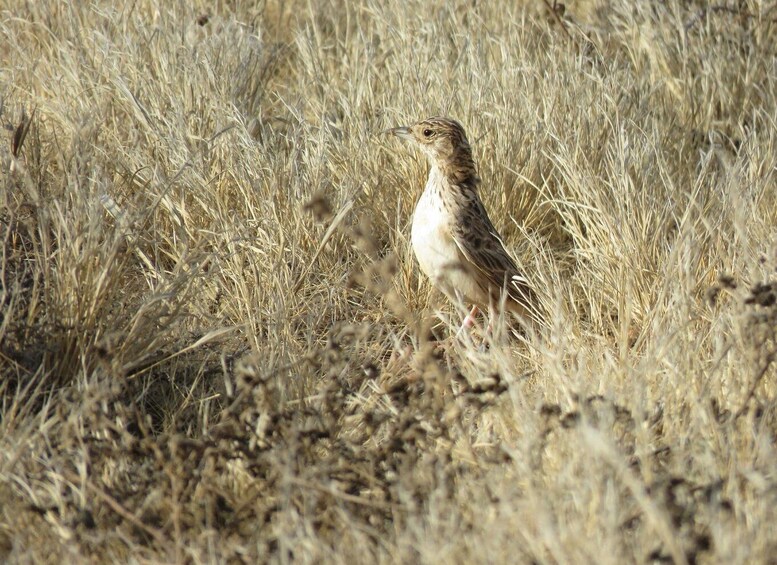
469	321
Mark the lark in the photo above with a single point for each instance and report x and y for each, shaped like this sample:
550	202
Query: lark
454	240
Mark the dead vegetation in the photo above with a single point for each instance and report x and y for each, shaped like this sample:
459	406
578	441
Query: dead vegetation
214	342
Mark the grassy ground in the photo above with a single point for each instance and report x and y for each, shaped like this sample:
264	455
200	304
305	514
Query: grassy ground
214	340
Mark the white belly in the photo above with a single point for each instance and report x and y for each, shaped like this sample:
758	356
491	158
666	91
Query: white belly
437	253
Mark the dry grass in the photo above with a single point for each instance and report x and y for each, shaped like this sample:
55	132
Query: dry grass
214	342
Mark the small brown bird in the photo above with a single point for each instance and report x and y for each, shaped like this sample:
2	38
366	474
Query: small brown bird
455	243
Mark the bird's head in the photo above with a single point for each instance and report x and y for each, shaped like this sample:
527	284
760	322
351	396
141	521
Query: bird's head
442	140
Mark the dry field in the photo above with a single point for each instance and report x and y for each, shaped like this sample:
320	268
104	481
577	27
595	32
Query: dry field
215	345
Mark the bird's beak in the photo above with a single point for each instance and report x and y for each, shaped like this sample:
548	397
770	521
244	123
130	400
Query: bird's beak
402	132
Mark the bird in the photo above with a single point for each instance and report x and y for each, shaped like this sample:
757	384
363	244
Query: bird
453	239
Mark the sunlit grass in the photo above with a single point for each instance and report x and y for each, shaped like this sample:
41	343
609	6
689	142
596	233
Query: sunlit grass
215	344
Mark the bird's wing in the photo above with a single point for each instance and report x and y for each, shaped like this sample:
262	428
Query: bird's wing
481	246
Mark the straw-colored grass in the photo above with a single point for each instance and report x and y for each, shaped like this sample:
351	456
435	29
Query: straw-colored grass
215	344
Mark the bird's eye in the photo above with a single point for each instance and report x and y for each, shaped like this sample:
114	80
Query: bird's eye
427	132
